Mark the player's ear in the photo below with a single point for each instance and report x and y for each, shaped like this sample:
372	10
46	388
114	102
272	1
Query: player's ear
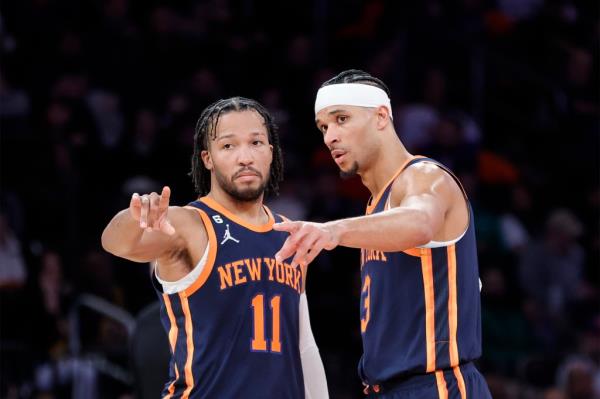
383	117
206	159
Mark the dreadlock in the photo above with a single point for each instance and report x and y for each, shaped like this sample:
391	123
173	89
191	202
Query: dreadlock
206	129
357	76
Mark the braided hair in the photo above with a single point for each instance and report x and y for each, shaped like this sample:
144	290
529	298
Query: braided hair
357	76
206	129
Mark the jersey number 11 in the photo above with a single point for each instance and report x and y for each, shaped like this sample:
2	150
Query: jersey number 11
259	343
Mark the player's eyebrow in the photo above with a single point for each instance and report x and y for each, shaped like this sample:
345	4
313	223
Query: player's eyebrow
225	136
259	134
231	135
332	112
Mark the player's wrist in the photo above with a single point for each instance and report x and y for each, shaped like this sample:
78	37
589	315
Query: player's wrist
337	230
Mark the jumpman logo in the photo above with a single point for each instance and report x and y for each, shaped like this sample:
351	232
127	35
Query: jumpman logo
228	236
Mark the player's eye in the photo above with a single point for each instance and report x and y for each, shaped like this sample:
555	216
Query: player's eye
323	129
257	142
227	146
341	119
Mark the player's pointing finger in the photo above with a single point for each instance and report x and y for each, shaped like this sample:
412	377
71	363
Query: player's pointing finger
165	195
290	227
287	250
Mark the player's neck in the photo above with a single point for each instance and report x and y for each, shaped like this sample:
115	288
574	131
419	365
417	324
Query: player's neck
251	211
391	157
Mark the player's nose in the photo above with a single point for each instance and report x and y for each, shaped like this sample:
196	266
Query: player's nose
245	156
331	136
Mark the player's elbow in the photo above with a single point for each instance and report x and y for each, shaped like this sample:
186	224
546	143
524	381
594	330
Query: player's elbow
112	245
107	243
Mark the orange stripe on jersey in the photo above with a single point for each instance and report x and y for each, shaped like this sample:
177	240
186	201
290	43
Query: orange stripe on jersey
173	330
212	254
230	215
414	252
189	377
427	271
172	340
453	319
461	383
375	200
172	386
452	305
441	385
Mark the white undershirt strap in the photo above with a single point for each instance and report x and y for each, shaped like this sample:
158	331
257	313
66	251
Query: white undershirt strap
173	287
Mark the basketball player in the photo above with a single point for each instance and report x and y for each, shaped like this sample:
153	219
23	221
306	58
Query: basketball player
420	307
236	319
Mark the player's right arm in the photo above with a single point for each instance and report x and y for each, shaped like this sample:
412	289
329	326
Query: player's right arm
421	198
149	229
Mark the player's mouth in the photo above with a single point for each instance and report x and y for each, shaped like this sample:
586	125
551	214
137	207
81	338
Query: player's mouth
247	175
247	178
338	155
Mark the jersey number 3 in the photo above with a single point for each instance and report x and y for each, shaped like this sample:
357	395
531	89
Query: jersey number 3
366	291
259	343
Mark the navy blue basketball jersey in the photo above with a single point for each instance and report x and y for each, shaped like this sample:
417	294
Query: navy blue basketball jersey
420	309
234	333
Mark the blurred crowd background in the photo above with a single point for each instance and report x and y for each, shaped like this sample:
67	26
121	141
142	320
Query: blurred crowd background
99	98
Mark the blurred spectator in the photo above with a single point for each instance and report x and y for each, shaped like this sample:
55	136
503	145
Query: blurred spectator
416	122
107	116
419	123
514	234
13	275
51	296
450	146
520	9
96	276
15	107
507	338
578	377
551	267
142	149
13	272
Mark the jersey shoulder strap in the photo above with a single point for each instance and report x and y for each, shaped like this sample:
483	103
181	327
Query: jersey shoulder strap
441	166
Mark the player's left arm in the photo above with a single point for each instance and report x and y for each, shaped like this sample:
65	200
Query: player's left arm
315	382
420	199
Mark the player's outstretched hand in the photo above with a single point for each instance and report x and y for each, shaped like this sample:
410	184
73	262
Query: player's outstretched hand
151	211
306	241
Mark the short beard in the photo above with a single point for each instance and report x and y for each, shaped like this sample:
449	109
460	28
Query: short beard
350	173
248	195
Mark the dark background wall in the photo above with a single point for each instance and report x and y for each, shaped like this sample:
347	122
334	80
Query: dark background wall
99	99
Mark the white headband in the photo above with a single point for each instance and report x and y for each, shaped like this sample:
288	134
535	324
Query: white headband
357	94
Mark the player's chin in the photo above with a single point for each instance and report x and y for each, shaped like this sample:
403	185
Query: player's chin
250	191
249	185
348	171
